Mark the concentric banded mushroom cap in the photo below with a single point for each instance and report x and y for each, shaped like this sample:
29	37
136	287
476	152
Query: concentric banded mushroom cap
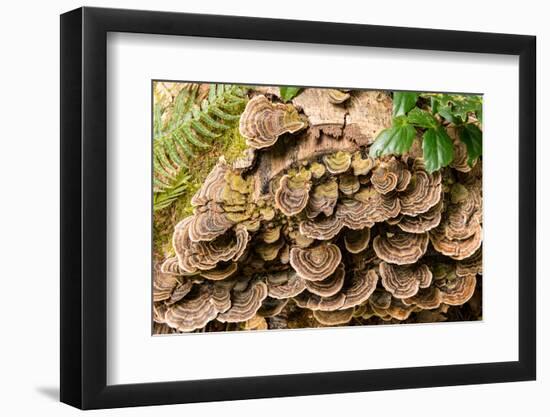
293	193
458	248
180	291
284	284
213	185
471	265
423	222
360	287
314	302
390	175
459	290
338	162
262	122
206	255
209	224
322	199
404	281
322	228
333	318
422	193
337	96
245	304
462	219
317	263
348	184
329	286
163	285
360	165
272	307
354	214
401	248
170	266
460	161
197	309
379	207
426	298
357	241
269	251
221	272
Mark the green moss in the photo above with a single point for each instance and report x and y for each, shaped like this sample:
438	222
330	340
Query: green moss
231	145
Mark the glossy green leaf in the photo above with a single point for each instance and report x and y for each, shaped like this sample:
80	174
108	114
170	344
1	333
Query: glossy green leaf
403	102
437	147
422	118
396	140
472	137
287	93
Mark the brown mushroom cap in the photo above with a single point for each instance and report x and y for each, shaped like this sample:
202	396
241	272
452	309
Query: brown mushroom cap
315	302
357	241
463	219
272	307
404	281
322	229
209	224
163	285
180	291
458	248
401	248
390	175
317	263
213	185
338	162
262	122
330	285
360	165
221	272
360	287
198	308
348	184
269	251
322	199
471	265
255	323
426	298
457	291
293	193
284	284
337	96
423	222
245	304
422	193
460	161
170	266
206	255
379	207
332	318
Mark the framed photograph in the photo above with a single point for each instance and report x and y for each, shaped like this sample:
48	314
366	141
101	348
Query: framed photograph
259	208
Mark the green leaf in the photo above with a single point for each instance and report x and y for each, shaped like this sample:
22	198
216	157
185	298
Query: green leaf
422	118
472	137
403	102
396	140
287	93
438	149
447	113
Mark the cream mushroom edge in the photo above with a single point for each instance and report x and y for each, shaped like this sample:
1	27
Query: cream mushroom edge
289	208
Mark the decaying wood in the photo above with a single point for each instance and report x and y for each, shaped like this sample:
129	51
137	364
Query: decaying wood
368	113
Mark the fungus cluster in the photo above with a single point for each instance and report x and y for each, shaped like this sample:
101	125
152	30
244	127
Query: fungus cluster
307	230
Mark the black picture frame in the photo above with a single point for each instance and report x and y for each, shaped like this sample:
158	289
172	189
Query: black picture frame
84	207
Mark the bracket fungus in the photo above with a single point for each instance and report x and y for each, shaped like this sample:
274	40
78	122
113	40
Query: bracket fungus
317	263
404	281
307	230
293	193
262	122
401	248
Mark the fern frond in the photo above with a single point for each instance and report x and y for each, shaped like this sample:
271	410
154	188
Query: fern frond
186	128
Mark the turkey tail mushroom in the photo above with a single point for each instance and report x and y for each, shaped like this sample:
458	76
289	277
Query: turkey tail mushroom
262	122
317	263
